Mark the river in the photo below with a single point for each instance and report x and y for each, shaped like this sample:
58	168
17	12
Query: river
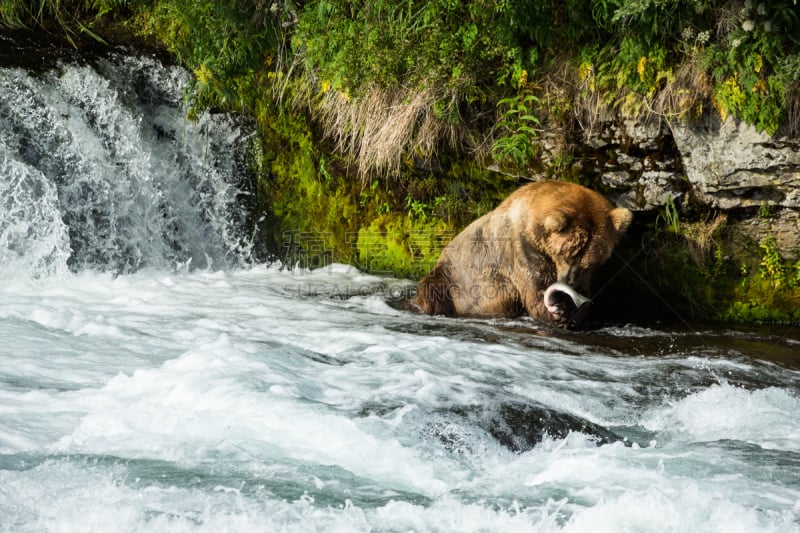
155	378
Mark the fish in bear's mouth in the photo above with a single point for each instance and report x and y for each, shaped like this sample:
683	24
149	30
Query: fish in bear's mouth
565	305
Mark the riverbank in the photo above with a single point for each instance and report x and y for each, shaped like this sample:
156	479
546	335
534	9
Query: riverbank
380	134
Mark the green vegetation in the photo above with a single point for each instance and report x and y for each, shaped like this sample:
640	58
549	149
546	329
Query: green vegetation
517	144
703	270
386	79
377	120
74	18
772	294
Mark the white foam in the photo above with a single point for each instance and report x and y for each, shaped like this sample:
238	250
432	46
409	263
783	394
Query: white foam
680	507
213	397
91	497
225	374
33	238
767	417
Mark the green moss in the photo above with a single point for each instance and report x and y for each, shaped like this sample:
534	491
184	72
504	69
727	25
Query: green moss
312	208
770	293
318	213
401	246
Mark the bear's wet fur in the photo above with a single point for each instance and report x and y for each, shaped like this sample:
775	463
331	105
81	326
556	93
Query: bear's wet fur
501	264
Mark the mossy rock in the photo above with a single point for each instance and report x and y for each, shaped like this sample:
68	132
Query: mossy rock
399	246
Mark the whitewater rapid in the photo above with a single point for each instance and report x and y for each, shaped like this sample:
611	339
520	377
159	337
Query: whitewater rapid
101	170
155	377
228	400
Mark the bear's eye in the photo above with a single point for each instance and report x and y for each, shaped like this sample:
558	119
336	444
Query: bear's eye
556	222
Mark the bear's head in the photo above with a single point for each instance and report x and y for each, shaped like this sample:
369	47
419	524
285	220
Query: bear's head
577	230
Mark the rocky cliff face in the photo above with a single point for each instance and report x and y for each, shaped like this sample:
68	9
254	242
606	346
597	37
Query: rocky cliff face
726	167
731	165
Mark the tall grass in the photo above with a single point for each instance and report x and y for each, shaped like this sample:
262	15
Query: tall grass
382	126
71	17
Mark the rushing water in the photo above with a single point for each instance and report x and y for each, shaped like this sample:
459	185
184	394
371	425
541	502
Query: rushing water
152	379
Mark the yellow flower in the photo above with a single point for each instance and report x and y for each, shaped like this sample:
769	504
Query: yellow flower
203	74
584	70
640	67
760	87
523	78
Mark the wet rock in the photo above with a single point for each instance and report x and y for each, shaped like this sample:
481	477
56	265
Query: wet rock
783	225
520	426
704	165
637	162
517	425
724	165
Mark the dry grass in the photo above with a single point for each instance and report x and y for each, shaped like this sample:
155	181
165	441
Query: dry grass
685	95
729	16
382	126
572	94
700	237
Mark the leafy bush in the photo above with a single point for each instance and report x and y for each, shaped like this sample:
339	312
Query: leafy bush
353	45
459	61
518	126
228	45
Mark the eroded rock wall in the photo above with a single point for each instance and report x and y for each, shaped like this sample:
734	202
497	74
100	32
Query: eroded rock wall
713	165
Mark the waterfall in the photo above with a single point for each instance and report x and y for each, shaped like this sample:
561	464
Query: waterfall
100	169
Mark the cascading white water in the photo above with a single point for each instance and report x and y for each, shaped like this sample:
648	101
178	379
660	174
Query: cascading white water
100	169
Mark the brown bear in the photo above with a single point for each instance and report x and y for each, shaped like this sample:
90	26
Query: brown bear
535	253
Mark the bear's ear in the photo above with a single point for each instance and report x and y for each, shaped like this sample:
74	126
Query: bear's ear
555	221
621	218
